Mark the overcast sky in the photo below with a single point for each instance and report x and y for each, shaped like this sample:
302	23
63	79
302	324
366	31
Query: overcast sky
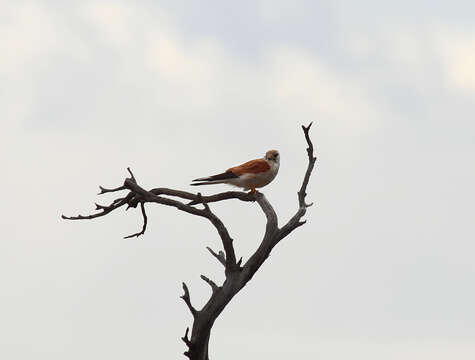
179	89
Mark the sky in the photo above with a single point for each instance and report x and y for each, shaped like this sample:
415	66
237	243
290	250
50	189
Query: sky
177	90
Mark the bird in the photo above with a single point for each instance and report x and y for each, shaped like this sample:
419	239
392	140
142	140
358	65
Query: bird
251	175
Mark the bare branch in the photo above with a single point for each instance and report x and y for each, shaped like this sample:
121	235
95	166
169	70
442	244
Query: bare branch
268	242
295	222
239	195
306	130
100	207
131	175
219	256
186	299
226	240
269	212
144	227
104	190
185	338
311	162
188	343
211	283
194	200
105	209
243	196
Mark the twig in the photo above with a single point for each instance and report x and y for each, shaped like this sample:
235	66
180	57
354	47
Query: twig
211	283
104	190
219	256
105	209
186	299
185	338
188	343
131	175
144	227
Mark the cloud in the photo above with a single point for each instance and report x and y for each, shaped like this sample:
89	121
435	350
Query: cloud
103	63
456	49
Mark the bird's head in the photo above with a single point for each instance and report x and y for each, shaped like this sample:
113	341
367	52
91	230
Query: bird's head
273	155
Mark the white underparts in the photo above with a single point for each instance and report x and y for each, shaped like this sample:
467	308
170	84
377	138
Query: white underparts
258	180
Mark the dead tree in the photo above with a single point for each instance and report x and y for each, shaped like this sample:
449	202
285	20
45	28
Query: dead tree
237	274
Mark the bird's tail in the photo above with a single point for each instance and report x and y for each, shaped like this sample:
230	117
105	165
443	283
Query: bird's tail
215	179
211	182
208	178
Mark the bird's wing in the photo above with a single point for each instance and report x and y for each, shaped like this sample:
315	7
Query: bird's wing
250	167
253	167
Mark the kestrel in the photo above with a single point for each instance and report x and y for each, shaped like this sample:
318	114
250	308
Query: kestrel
250	175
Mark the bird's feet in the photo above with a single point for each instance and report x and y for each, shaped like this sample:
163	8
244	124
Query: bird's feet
253	191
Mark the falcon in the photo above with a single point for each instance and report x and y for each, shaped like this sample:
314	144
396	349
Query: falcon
249	176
